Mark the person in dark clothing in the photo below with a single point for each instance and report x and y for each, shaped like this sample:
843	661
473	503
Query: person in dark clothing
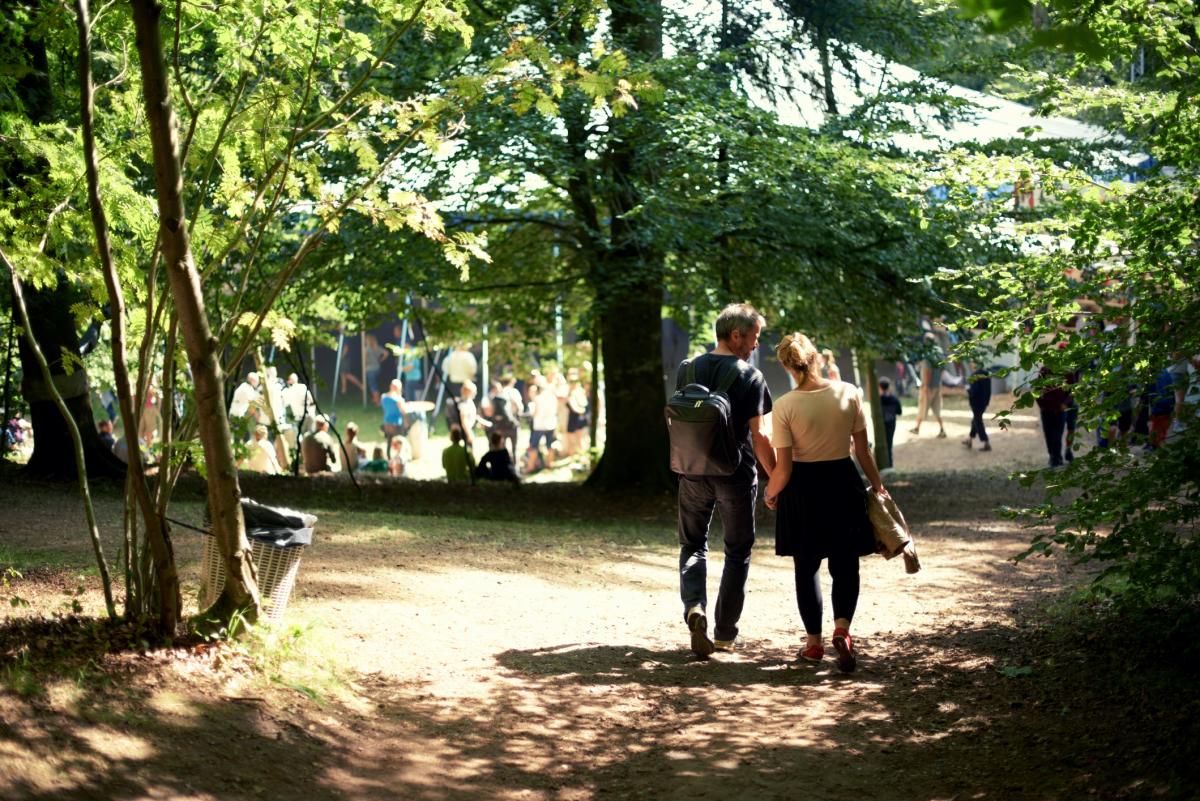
1052	405
499	410
106	433
979	395
889	406
497	463
1161	409
738	328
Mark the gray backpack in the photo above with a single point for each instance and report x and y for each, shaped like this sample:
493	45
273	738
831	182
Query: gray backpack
700	425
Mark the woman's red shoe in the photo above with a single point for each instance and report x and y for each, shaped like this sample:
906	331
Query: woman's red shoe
813	653
845	650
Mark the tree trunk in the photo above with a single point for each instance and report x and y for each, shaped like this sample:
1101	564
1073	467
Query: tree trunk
871	395
53	326
831	108
635	443
224	495
629	290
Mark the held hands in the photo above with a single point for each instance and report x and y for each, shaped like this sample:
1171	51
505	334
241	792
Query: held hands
770	500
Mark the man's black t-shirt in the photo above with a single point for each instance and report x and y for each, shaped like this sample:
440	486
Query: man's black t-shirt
748	398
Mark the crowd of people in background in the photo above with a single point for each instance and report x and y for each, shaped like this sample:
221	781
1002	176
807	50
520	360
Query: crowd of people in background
553	406
522	425
519	427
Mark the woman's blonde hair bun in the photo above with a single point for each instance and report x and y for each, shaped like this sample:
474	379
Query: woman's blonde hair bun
797	352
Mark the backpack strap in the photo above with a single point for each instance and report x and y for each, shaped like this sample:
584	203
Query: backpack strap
686	374
727	381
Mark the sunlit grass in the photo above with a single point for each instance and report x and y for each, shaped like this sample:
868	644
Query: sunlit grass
299	656
419	531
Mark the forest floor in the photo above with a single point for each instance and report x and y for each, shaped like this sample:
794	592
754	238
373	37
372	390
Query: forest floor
527	643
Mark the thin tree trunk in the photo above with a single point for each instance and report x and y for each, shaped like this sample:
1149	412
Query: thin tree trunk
77	441
594	391
871	395
241	590
826	72
167	578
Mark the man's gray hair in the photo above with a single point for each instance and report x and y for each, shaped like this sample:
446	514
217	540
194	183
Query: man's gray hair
737	317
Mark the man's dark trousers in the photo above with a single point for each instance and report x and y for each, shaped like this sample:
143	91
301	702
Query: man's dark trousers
735	503
1053	423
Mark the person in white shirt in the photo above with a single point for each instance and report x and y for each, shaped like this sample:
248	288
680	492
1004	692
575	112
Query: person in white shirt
274	388
246	397
298	401
468	414
545	414
460	367
262	454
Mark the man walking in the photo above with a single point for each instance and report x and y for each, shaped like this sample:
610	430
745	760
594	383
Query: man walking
738	327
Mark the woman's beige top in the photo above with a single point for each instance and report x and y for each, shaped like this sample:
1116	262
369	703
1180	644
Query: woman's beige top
817	424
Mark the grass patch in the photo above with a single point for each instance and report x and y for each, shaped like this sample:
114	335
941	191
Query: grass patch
24	559
299	656
421	531
19	678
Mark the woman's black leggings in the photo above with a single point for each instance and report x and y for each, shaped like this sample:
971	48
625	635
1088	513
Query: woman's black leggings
844	571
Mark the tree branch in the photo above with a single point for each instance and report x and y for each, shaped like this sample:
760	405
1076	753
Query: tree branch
169	601
467	288
518	219
18	299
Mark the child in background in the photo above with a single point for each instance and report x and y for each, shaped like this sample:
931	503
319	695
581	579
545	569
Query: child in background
401	456
979	395
377	464
497	463
457	460
889	407
468	414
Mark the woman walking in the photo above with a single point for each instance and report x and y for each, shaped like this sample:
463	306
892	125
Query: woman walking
818	495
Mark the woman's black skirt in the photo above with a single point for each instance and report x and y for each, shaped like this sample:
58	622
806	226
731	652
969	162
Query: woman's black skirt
823	511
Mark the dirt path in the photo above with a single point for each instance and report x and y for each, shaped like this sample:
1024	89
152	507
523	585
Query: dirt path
498	660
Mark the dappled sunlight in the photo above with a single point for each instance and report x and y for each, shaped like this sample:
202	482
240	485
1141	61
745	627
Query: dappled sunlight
492	659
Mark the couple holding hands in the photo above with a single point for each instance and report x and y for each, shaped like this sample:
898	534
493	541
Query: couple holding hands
814	488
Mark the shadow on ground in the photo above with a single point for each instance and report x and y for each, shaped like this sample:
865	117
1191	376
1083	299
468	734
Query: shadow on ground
984	713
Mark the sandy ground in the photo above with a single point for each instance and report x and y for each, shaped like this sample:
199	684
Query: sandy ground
497	656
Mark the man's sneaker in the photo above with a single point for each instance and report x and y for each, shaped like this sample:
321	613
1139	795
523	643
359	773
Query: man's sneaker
845	650
967	444
728	646
987	446
813	653
1069	455
942	434
698	625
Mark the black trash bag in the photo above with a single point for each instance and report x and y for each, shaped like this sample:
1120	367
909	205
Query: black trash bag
277	525
282	527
